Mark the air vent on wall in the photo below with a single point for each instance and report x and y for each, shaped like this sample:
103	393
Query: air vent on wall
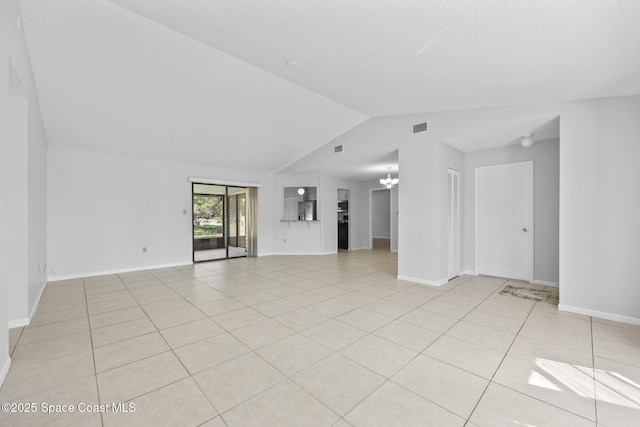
337	149
420	127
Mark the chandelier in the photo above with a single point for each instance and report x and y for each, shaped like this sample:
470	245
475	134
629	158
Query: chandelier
389	182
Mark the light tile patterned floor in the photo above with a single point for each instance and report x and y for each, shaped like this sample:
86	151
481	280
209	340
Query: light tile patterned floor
315	340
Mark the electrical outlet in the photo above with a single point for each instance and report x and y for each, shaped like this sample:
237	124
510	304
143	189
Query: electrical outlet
184	211
144	249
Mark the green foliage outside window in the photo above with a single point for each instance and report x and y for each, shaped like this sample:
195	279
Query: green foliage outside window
207	215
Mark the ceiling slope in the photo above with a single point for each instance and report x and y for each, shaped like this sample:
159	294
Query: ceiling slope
391	57
111	81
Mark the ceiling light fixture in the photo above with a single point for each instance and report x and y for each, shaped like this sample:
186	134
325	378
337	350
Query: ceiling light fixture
301	191
526	140
388	181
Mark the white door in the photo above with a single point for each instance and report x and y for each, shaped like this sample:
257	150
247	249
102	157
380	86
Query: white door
453	196
504	220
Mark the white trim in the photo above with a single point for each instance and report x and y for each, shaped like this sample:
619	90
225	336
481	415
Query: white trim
600	314
469	273
530	188
124	270
393	250
423	281
196	180
383	238
5	370
18	323
545	283
454	271
305	254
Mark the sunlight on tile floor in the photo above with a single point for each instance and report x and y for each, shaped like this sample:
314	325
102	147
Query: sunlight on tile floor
314	340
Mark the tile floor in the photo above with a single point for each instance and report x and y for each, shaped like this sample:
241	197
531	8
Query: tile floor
330	340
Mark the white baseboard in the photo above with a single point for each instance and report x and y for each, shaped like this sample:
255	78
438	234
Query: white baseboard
394	250
545	283
600	314
5	370
423	281
381	237
18	323
123	270
302	254
468	273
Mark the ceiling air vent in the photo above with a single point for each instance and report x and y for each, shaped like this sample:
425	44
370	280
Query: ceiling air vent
337	149
420	127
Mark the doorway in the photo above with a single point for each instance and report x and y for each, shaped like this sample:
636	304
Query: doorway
504	220
380	214
219	222
343	218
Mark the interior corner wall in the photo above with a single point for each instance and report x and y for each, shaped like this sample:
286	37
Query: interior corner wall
546	170
102	209
449	158
31	154
6	14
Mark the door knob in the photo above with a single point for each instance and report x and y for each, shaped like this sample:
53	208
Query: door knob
525	230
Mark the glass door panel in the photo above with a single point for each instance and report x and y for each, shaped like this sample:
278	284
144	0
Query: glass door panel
219	222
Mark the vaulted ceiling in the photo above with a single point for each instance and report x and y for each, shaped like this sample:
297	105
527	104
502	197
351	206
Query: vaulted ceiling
208	81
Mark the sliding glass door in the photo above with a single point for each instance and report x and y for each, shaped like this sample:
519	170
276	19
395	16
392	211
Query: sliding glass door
219	222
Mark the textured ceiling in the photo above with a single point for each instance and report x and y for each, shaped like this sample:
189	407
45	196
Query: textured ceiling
207	81
388	57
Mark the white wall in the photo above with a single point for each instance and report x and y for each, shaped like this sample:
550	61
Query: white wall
28	190
381	214
102	209
618	207
7	14
546	169
17	216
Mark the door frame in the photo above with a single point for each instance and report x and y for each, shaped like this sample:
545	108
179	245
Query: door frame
530	212
371	190
450	275
225	212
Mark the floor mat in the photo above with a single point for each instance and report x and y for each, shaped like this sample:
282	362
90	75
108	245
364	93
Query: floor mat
550	297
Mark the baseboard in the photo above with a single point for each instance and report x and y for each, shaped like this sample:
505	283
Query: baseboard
124	270
423	281
545	283
5	370
468	273
19	323
304	254
382	238
600	314
393	250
